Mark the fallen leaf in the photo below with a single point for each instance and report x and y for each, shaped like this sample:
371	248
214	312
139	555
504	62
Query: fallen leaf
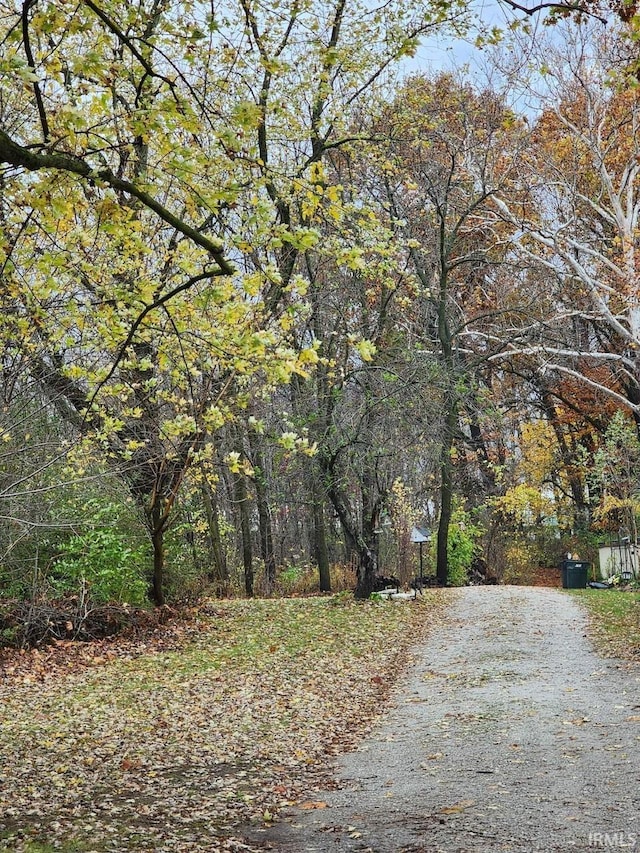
456	808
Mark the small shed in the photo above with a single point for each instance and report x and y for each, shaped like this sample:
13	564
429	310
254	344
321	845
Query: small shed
620	557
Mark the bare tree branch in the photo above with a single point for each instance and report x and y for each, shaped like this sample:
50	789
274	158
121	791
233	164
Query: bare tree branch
556	7
26	6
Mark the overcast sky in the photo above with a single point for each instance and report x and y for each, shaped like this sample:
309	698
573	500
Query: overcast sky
447	53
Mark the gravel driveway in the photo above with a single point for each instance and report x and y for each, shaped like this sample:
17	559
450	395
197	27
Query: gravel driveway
509	733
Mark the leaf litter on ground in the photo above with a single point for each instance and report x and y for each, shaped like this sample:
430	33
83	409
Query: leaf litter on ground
173	742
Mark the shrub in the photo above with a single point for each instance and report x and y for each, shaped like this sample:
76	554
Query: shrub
112	570
107	557
462	546
520	561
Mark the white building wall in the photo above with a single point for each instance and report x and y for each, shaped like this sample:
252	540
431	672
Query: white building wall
614	559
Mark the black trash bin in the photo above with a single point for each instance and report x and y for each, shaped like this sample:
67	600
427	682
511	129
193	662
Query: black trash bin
575	574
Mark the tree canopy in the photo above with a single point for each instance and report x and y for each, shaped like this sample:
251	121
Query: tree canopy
263	294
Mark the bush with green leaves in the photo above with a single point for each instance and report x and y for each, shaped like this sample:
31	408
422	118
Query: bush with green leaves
111	570
105	558
462	546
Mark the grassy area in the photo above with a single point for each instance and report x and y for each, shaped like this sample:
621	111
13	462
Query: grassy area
614	617
174	749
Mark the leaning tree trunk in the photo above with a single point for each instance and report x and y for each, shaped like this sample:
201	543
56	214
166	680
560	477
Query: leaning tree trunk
367	563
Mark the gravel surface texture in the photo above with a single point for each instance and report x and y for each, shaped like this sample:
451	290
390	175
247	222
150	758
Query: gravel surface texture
508	733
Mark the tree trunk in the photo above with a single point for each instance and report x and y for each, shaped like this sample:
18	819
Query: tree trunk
156	525
366	572
242	501
264	514
367	563
370	515
321	552
446	491
450	412
218	573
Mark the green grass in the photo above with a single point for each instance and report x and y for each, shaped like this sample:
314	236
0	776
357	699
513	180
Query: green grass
614	618
43	847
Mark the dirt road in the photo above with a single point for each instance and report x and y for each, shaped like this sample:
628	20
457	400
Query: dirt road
509	733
